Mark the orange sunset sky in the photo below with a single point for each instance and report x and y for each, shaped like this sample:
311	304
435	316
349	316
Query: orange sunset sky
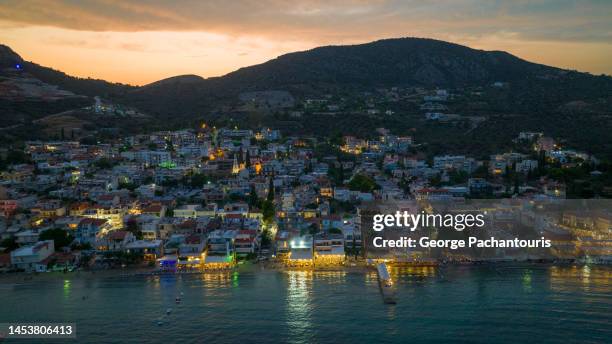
138	42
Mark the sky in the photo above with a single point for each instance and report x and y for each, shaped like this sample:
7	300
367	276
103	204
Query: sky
138	42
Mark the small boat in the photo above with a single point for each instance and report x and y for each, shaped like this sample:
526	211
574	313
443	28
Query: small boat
178	299
168	311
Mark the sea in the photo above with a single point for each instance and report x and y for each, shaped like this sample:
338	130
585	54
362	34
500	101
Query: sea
520	303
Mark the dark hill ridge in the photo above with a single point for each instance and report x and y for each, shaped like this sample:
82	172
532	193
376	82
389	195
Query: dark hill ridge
82	86
8	58
390	62
403	61
383	63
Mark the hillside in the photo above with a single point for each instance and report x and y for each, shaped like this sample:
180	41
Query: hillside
385	63
537	97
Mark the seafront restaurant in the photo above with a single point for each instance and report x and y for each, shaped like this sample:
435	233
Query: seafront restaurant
300	254
220	254
191	253
328	249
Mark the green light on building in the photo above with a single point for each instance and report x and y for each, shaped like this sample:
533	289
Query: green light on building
167	164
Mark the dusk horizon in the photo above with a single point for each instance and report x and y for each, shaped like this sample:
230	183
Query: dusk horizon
285	53
139	43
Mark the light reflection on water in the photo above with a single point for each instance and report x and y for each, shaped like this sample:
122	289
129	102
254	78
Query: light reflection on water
514	303
298	306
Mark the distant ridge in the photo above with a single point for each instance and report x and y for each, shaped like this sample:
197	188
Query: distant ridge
384	63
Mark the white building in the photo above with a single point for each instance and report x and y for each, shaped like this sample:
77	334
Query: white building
29	258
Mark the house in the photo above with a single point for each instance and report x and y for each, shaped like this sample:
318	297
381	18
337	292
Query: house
283	239
149	249
331	221
116	240
30	258
219	251
246	242
156	210
49	208
526	166
8	207
191	251
89	229
433	194
342	194
352	238
478	186
27	237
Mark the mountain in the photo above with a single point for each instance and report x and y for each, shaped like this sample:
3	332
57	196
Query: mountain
384	63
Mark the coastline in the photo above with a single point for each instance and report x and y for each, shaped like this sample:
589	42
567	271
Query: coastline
248	267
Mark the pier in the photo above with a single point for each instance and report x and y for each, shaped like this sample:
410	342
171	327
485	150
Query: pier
386	284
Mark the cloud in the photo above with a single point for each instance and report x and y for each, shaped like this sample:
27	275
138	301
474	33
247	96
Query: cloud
326	21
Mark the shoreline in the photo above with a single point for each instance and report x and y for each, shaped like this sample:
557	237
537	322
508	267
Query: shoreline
360	267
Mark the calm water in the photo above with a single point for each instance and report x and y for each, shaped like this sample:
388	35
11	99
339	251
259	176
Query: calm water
459	304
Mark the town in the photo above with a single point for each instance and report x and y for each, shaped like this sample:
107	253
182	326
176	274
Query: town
211	198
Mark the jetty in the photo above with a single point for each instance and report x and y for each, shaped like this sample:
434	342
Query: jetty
386	284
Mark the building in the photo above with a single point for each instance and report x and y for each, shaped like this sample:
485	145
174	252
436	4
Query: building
328	249
149	249
30	258
116	241
89	229
191	252
246	242
219	251
300	254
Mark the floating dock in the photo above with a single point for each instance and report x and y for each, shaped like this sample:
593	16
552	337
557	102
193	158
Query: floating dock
386	284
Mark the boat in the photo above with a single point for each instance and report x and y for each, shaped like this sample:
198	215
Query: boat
178	299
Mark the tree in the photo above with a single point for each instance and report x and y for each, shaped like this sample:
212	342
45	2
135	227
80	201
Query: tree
132	227
247	159
9	244
516	184
14	157
362	183
61	238
253	199
270	197
104	163
169	145
268	211
334	230
198	180
313	229
266	238
240	157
